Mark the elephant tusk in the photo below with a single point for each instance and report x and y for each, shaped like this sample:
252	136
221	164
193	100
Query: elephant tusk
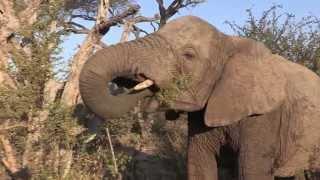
145	84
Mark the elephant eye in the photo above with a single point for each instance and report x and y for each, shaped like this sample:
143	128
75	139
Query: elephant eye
189	54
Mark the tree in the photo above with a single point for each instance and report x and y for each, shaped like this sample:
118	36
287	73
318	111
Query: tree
41	134
29	37
298	41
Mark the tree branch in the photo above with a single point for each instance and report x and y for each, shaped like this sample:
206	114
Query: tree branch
127	29
77	25
162	11
114	160
71	27
140	19
29	14
103	10
104	26
172	9
137	31
9	160
8	126
77	31
85	17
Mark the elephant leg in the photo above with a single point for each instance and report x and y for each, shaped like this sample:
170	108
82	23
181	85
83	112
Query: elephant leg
204	143
253	166
202	165
257	149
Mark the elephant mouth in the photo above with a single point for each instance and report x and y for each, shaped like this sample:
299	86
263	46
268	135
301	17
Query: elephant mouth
144	84
177	96
167	97
131	84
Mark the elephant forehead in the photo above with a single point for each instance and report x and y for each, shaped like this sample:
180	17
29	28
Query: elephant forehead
187	23
187	29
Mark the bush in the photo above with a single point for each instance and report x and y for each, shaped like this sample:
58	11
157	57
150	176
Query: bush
298	41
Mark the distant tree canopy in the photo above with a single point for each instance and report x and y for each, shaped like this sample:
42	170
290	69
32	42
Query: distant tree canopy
87	9
298	41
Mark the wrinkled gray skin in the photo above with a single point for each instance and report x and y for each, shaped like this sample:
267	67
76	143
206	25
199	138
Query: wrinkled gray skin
241	95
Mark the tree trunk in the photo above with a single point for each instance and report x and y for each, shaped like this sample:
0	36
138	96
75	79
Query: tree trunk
9	160
71	95
10	21
127	29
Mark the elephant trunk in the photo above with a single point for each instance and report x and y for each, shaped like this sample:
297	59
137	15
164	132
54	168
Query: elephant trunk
100	69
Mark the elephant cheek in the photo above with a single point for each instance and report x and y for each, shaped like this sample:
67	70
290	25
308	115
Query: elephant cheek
185	106
187	102
194	100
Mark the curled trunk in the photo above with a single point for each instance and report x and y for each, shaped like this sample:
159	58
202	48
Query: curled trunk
103	67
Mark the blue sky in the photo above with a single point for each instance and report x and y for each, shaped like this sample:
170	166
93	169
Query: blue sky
214	11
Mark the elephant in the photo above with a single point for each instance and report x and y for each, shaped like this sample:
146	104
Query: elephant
236	93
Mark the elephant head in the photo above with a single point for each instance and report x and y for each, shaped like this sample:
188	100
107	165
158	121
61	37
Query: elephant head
194	66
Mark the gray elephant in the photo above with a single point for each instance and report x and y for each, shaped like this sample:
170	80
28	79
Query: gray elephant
236	93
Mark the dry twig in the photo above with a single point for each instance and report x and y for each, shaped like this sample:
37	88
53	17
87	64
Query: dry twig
9	160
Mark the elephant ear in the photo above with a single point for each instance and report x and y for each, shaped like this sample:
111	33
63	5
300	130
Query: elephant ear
251	84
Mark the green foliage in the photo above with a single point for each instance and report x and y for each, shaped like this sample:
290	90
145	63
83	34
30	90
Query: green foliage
94	159
33	52
16	103
123	125
31	62
46	174
18	139
298	41
123	162
175	88
59	127
89	7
